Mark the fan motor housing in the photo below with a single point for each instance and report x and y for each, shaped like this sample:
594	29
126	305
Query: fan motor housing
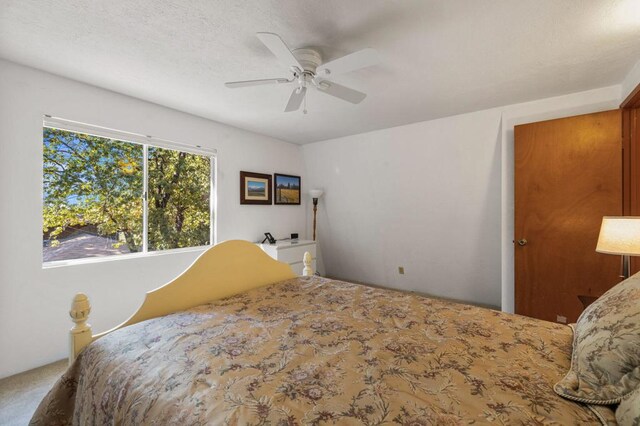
310	59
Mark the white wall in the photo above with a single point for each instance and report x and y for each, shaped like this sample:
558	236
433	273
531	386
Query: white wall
425	196
434	197
33	301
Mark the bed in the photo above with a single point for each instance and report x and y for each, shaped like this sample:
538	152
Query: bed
265	347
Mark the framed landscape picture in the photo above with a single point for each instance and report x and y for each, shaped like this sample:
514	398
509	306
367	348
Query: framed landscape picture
255	188
287	189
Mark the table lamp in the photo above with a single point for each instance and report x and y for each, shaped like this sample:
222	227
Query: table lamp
620	235
315	194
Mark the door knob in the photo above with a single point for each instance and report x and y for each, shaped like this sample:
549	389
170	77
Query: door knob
522	242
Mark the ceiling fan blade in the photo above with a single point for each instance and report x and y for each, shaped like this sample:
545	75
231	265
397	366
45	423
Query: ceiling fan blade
351	62
295	100
278	47
342	92
236	84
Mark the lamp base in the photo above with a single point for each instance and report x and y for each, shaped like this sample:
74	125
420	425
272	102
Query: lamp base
626	266
315	210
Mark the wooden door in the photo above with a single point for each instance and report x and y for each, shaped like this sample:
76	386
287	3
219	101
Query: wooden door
568	174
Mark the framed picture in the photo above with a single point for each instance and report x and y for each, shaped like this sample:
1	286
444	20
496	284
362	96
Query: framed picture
287	189
255	188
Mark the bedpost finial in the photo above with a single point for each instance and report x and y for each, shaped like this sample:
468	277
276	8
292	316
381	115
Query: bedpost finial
79	312
307	260
80	335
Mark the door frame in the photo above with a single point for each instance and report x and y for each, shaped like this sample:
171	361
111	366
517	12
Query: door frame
631	159
603	99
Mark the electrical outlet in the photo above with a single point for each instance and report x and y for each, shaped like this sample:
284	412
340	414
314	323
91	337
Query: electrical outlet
401	270
561	319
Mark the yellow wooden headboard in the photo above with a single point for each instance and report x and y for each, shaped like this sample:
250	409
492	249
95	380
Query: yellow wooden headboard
223	270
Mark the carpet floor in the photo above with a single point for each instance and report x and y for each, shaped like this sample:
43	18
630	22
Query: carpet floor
21	394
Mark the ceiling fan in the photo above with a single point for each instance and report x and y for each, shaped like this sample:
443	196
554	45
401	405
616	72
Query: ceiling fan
308	70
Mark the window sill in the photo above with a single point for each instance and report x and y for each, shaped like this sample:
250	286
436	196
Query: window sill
118	257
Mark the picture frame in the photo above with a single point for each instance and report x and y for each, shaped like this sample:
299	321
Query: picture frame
287	189
255	188
268	237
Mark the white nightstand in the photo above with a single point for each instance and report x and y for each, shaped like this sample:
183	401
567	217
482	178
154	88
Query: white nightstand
292	253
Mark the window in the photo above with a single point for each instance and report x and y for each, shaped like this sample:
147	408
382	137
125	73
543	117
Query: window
110	193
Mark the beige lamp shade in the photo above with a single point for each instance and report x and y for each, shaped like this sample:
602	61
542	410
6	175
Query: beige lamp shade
619	235
316	193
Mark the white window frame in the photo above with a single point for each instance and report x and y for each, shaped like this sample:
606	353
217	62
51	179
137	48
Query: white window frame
146	141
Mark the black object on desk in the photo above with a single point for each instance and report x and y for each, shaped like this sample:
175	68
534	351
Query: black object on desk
268	237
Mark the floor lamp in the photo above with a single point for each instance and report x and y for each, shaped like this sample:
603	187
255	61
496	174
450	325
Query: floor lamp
620	235
315	194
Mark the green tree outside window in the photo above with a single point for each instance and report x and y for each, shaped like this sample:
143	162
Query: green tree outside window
94	186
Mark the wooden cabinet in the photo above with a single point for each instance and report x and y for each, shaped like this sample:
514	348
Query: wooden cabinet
292	253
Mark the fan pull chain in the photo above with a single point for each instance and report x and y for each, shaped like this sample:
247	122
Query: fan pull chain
304	111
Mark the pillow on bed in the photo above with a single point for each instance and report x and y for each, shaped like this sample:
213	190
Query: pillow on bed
628	412
605	364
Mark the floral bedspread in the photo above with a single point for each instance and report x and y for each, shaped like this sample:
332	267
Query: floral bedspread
317	351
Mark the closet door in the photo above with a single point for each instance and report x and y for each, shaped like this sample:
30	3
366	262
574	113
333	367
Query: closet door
568	174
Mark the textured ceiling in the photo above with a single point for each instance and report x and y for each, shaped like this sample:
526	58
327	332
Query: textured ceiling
439	58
